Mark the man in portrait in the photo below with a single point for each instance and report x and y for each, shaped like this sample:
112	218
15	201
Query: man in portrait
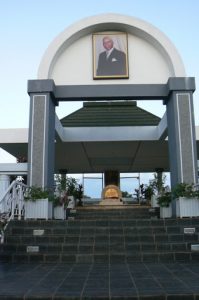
111	62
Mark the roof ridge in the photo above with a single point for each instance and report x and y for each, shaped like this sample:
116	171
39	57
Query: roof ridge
110	103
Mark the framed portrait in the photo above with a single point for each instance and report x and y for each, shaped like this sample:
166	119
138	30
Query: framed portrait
110	55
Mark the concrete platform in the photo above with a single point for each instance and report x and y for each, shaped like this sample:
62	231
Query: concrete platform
157	281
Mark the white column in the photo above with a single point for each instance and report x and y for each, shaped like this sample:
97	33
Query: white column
4	184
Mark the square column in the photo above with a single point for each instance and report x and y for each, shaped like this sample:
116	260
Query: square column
41	146
181	131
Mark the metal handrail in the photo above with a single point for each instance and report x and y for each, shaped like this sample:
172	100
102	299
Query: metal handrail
12	201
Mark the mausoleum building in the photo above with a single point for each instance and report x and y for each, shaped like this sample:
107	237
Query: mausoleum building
110	132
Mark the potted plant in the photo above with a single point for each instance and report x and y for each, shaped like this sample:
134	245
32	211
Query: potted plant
60	202
38	203
164	201
187	200
157	184
66	188
58	208
142	199
79	194
60	197
71	186
148	192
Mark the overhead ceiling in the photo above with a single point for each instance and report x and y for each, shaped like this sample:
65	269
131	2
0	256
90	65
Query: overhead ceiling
131	156
94	157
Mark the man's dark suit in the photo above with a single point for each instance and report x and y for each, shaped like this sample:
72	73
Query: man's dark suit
115	64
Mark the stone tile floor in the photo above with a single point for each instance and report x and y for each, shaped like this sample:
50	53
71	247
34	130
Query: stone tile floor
122	281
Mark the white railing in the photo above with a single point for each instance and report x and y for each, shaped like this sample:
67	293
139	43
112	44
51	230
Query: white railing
12	201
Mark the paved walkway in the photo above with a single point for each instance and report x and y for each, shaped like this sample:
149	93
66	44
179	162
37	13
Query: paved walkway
145	281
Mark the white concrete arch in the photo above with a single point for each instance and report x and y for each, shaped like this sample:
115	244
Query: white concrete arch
113	22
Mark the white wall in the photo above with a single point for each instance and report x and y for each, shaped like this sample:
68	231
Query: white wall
146	64
152	56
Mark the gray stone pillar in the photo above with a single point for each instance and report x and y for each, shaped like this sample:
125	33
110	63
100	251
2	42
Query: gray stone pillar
41	133
181	131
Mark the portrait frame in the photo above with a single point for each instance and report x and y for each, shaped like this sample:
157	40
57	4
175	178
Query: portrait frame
116	66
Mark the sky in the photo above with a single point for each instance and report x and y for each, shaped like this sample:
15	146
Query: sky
28	27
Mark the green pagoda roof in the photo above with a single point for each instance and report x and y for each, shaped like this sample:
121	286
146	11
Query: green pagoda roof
119	113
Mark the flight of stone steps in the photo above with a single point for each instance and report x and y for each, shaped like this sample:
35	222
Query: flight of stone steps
102	235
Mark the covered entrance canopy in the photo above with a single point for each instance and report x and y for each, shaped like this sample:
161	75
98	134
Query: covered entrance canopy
116	135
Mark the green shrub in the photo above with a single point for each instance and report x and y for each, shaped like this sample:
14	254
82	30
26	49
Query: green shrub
165	199
184	190
34	193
